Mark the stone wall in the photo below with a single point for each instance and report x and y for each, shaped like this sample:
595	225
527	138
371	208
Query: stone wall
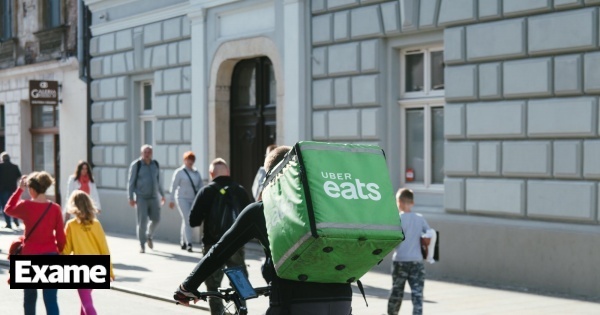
159	52
522	113
521	123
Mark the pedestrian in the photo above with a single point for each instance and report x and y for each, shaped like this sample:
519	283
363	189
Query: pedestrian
48	237
287	296
82	179
209	207
261	174
9	176
85	236
407	258
185	184
145	184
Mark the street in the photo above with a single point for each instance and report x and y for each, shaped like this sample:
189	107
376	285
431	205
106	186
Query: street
105	301
152	278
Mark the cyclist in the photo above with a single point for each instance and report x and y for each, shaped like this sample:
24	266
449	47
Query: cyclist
287	296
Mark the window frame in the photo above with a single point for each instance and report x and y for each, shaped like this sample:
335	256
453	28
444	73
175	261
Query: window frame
45	22
147	115
427	105
427	100
3	127
11	19
427	91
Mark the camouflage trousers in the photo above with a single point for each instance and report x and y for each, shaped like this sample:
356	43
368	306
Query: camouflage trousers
414	272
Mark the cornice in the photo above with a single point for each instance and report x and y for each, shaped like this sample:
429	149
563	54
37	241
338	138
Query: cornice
141	19
42	67
99	5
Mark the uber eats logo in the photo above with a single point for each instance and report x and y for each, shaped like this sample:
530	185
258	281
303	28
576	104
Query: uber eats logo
60	272
344	185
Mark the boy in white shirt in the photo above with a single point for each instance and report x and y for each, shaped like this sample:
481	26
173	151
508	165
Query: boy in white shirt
408	259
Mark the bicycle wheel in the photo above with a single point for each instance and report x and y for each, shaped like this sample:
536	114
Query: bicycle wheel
229	309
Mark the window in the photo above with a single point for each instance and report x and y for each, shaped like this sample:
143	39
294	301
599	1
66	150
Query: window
147	116
2	128
422	118
51	13
6	19
45	141
423	72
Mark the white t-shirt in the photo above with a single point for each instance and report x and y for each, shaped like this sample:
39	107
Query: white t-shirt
413	225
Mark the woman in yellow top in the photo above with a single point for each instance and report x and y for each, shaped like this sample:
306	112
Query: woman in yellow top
85	236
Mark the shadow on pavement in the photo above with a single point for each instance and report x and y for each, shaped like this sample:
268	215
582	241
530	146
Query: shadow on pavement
174	256
129	267
120	279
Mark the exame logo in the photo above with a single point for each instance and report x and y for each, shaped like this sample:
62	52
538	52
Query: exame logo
349	188
60	272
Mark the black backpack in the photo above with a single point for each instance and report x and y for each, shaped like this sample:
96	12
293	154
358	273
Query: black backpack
224	210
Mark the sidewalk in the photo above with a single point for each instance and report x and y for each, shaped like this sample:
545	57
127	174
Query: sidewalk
157	273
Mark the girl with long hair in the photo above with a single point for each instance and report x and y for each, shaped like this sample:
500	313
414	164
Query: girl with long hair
85	236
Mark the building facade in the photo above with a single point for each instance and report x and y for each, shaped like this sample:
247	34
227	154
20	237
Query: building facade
504	159
38	42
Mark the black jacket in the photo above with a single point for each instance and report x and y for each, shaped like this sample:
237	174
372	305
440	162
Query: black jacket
9	175
251	224
203	203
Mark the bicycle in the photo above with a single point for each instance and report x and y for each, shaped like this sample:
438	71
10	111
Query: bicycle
241	291
230	295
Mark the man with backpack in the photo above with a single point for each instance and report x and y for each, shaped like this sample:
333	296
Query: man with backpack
145	183
287	296
218	205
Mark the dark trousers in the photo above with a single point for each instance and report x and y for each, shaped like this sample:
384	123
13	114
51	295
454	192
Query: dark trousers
4	195
213	282
50	301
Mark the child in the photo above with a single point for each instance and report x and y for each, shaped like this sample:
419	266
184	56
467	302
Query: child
408	259
85	236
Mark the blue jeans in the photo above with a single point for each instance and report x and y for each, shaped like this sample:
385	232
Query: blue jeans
4	195
50	300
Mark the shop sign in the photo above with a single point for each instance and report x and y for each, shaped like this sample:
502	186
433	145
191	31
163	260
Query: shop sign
43	92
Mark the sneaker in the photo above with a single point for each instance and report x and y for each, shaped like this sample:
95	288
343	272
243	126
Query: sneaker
183	246
142	250
189	247
184	296
150	244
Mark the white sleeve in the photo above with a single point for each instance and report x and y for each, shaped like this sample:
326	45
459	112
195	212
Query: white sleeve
174	184
69	191
95	196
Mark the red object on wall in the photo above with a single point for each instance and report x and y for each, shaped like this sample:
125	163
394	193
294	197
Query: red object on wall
410	175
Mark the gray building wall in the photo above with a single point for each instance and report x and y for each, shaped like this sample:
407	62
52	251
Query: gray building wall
159	52
520	198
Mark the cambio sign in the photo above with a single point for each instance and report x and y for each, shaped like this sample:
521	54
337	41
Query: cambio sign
60	272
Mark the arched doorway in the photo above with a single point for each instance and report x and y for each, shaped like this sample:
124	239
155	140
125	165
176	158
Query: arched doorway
253	120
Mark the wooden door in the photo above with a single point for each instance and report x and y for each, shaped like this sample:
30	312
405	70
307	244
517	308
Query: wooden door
253	118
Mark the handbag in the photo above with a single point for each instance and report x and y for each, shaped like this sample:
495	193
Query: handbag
17	245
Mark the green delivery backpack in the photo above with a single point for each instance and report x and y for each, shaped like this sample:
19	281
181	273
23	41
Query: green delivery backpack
330	211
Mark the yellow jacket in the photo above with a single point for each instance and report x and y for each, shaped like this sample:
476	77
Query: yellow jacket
86	240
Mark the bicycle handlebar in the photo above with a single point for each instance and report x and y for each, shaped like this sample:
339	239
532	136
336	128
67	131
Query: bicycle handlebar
229	294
